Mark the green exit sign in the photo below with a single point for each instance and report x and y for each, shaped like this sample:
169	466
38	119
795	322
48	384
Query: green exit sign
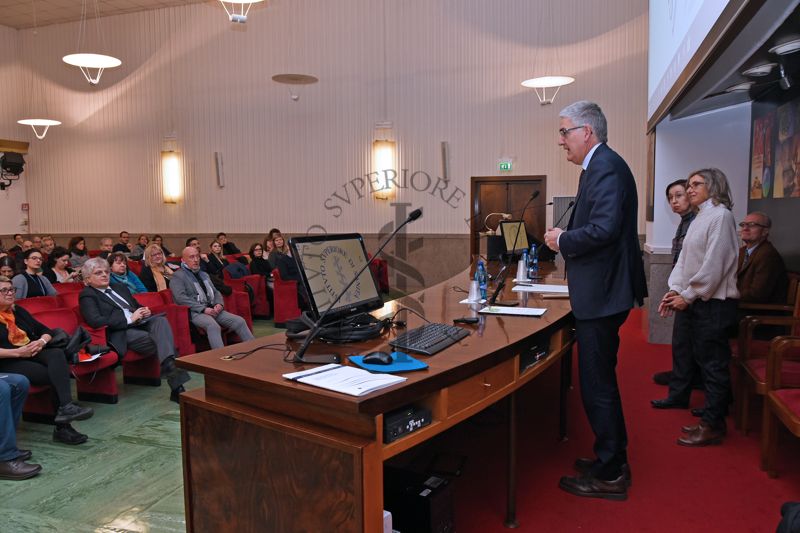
504	166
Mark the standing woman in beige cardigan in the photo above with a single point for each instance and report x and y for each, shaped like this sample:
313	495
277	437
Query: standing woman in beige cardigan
704	296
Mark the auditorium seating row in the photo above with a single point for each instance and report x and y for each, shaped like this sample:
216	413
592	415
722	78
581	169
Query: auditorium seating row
96	380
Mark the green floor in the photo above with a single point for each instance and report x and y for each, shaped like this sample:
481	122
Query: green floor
127	477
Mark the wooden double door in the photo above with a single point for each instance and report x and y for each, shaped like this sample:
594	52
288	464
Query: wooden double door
507	194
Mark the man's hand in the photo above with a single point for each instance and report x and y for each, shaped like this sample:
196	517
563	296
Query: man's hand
672	301
139	314
211	311
551	238
218	308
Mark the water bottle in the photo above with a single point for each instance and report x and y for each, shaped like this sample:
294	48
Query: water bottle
482	279
525	259
533	263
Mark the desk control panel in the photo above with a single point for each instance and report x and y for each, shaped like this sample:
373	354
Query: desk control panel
404	421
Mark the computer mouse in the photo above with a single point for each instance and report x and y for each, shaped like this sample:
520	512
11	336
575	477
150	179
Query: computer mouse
378	358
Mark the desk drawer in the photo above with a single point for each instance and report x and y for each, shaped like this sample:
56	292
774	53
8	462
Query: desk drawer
479	387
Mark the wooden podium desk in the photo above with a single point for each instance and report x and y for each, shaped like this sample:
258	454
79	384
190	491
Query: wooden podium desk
261	453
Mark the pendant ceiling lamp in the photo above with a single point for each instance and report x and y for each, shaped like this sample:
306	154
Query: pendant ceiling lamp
92	64
43	124
237	10
548	68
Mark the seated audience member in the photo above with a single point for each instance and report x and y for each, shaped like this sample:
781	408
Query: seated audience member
761	274
23	350
77	252
26	245
13	391
118	264
124	244
128	325
106	247
141	243
159	240
30	282
58	270
48	244
156	273
258	260
37	242
18	239
216	260
193	288
228	247
195	243
7	266
281	258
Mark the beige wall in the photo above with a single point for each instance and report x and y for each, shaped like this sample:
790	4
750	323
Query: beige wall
453	71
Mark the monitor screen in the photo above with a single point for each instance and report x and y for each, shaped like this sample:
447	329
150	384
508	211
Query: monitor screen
509	229
327	263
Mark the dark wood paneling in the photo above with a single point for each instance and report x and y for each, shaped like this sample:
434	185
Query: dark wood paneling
252	474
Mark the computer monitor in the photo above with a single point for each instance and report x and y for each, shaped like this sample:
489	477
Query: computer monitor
509	229
327	263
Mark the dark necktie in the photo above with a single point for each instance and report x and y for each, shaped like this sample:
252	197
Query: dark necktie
117	300
746	258
577	197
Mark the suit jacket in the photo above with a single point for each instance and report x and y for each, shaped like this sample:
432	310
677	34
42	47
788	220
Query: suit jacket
184	290
763	279
601	244
98	310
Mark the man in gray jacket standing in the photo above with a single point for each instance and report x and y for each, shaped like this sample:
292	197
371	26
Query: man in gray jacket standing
193	288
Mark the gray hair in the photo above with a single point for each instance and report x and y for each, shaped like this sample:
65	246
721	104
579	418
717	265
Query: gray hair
717	184
589	114
764	217
89	266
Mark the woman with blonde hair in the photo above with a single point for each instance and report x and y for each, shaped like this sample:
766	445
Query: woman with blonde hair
156	273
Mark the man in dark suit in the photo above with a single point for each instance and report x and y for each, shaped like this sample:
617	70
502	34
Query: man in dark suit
605	278
128	324
761	274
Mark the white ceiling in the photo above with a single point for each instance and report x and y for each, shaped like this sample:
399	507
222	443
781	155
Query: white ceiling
19	13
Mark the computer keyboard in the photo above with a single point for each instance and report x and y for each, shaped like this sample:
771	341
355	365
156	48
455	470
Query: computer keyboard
429	338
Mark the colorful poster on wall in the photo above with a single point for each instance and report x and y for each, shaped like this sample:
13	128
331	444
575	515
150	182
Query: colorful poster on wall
762	157
787	168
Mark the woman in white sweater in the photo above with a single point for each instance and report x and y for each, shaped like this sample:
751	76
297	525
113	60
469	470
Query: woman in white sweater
704	296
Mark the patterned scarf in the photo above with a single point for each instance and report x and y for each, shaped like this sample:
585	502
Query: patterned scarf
16	336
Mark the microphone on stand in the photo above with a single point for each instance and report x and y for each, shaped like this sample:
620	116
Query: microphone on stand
569	206
299	355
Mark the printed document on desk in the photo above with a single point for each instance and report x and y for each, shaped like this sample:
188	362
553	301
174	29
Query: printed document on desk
344	379
513	311
539	287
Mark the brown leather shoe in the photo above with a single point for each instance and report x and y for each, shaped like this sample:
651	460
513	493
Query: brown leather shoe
583	466
591	487
702	435
17	469
690	429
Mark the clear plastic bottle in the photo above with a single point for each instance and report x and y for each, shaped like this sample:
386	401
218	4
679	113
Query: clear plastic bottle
482	278
533	263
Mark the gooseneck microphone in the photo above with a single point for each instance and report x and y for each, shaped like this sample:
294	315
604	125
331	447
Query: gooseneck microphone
569	206
299	355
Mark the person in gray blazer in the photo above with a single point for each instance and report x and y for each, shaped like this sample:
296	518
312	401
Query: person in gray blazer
193	288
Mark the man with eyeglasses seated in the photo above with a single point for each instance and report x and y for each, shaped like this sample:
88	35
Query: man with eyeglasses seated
761	274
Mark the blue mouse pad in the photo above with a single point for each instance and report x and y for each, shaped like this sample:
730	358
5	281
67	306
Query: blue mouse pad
402	362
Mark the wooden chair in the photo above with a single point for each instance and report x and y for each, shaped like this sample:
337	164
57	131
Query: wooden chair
782	400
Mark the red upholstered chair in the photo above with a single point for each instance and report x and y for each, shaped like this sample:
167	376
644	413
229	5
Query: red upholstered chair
66	288
782	399
40	405
751	362
39	303
284	296
69	300
96	381
176	315
135	267
260	305
95	253
233	303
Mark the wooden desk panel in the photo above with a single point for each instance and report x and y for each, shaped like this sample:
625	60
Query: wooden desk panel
268	454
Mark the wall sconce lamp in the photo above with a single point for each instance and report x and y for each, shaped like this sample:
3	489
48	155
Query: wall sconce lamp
384	168
171	177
